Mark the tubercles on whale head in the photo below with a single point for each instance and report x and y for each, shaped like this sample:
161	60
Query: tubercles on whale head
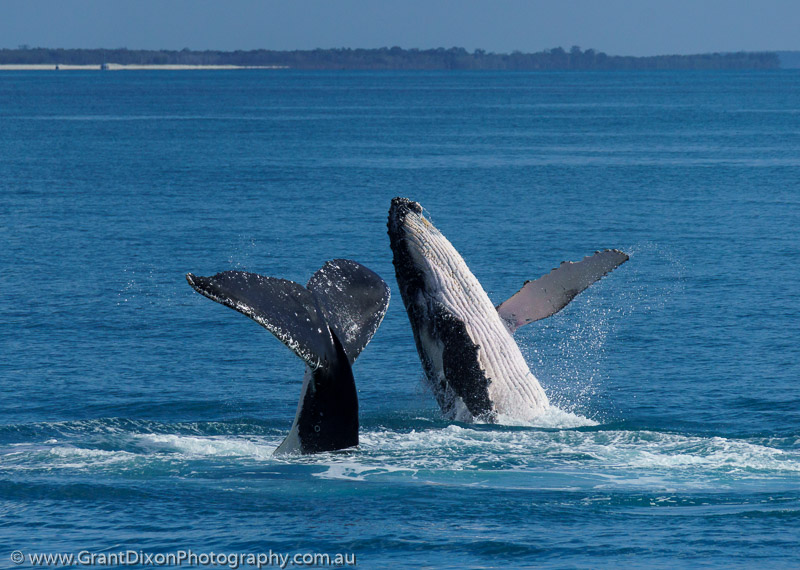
399	211
414	239
411	236
402	205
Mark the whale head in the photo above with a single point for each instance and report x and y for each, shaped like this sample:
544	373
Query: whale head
411	236
444	301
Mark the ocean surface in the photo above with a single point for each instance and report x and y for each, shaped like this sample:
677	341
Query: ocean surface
136	415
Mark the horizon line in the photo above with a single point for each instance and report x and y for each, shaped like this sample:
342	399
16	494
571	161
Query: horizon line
26	47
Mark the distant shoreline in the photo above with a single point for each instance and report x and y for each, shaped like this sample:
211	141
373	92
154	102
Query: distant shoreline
394	59
132	67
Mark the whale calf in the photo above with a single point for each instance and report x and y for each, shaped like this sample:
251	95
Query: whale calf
471	361
327	323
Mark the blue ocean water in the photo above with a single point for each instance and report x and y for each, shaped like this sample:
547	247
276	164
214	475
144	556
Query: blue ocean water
137	415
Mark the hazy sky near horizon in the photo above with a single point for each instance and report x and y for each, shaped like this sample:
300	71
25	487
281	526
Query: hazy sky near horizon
618	27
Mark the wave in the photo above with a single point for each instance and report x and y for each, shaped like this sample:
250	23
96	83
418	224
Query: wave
546	456
552	417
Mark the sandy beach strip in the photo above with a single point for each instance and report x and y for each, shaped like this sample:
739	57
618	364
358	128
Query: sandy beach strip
119	67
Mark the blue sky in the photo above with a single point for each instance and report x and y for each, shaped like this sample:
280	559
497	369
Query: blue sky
619	27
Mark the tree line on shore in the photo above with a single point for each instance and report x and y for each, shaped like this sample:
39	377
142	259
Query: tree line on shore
394	58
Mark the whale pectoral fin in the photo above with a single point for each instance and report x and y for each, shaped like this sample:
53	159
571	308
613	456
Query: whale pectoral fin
549	294
285	308
353	301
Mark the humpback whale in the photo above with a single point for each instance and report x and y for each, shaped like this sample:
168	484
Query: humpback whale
471	361
327	324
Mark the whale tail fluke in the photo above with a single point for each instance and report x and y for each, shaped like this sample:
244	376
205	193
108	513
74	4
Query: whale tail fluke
353	301
327	324
549	294
285	308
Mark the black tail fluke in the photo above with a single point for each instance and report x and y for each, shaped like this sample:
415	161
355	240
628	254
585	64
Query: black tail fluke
327	324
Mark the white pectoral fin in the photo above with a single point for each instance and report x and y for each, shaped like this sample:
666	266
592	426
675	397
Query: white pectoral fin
549	294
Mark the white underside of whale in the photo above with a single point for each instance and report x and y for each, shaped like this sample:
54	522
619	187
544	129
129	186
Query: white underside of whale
513	389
